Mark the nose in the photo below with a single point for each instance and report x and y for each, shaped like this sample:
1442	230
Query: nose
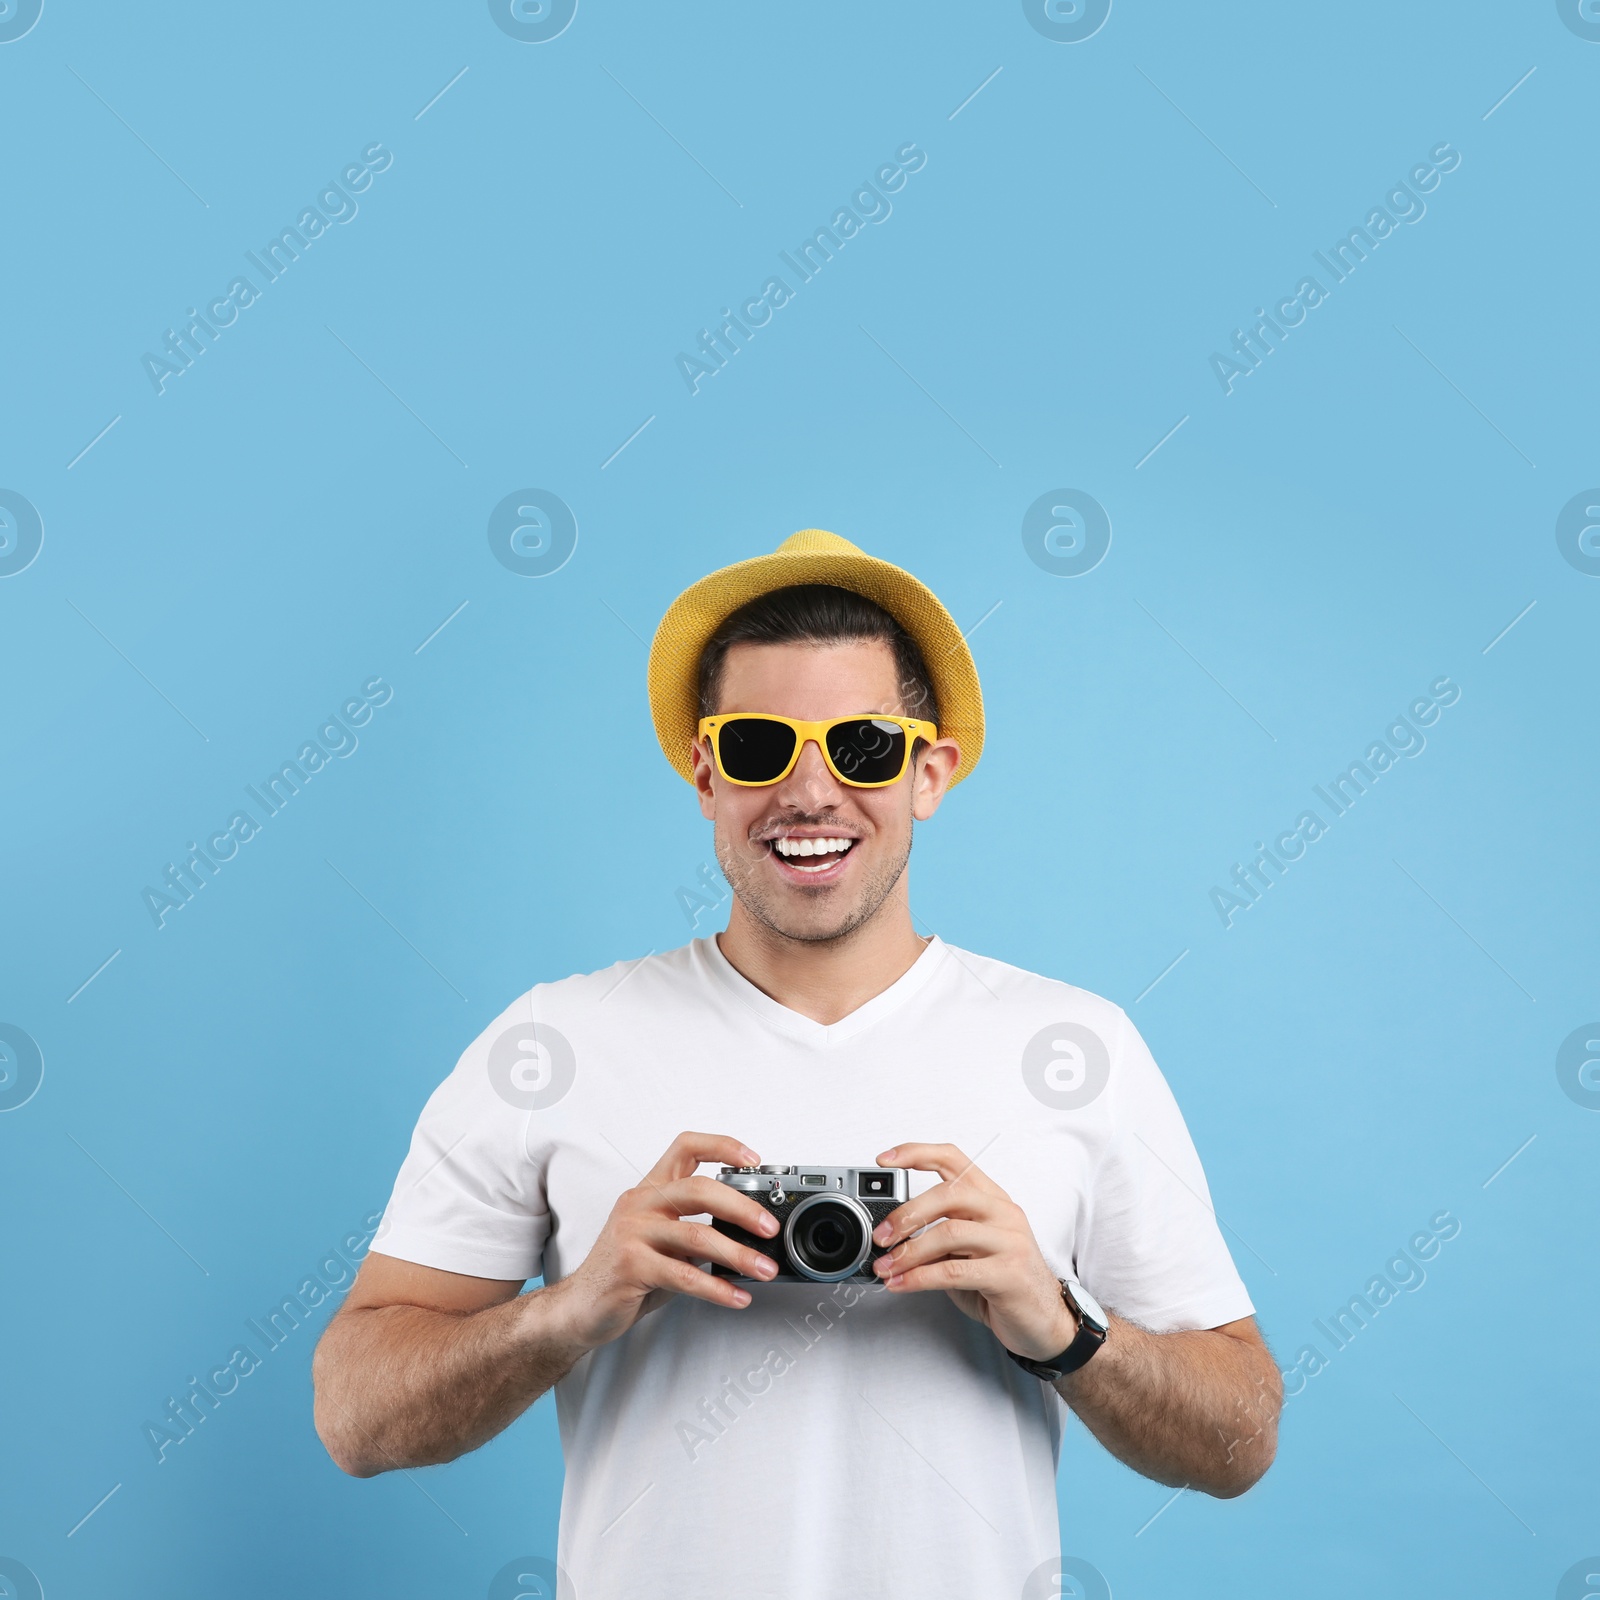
811	786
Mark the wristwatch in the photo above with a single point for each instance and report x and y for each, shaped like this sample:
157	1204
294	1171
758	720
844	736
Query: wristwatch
1092	1326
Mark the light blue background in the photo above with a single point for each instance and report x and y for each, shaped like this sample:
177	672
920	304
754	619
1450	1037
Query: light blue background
236	556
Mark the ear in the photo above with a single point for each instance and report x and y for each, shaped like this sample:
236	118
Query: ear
931	775
704	770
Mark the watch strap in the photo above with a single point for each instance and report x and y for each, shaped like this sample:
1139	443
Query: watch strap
1077	1354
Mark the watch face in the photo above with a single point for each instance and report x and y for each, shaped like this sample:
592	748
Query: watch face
1088	1306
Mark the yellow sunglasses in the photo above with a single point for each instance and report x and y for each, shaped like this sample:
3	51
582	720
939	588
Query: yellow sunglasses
754	749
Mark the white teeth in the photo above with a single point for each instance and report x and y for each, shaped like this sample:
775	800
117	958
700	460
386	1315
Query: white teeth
789	847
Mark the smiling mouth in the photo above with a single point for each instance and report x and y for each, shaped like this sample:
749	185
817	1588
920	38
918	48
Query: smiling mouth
812	857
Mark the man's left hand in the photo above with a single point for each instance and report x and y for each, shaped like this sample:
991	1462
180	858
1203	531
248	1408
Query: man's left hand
983	1254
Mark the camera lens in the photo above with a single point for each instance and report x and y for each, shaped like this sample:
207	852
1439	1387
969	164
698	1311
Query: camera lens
828	1237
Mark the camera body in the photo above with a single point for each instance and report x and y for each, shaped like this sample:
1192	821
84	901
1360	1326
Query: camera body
827	1216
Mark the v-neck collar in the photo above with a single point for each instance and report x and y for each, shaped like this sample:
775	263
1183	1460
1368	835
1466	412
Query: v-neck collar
724	975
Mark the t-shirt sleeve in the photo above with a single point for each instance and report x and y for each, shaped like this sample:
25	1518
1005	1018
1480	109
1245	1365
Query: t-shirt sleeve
469	1198
1152	1249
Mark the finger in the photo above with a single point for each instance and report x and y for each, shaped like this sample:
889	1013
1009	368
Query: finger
945	1240
940	1201
699	1241
688	1150
693	1197
945	1159
953	1273
668	1272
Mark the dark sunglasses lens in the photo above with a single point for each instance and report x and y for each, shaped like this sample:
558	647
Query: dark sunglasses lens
868	751
754	750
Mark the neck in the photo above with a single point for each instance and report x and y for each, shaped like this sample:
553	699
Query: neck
825	979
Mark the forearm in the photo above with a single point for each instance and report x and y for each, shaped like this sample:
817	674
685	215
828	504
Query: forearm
406	1386
1193	1409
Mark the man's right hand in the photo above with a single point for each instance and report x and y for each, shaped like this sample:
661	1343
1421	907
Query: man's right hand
418	1365
647	1245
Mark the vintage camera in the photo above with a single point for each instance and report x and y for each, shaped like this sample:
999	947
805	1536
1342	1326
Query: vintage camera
828	1214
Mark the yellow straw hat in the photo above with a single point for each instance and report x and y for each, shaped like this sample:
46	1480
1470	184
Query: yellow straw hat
810	556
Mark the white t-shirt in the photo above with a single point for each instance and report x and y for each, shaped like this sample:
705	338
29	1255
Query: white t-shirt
824	1440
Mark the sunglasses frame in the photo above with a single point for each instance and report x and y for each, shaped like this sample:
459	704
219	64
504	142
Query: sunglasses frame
814	733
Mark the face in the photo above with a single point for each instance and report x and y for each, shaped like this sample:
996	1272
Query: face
832	891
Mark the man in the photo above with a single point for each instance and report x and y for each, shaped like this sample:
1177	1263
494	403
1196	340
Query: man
880	1436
